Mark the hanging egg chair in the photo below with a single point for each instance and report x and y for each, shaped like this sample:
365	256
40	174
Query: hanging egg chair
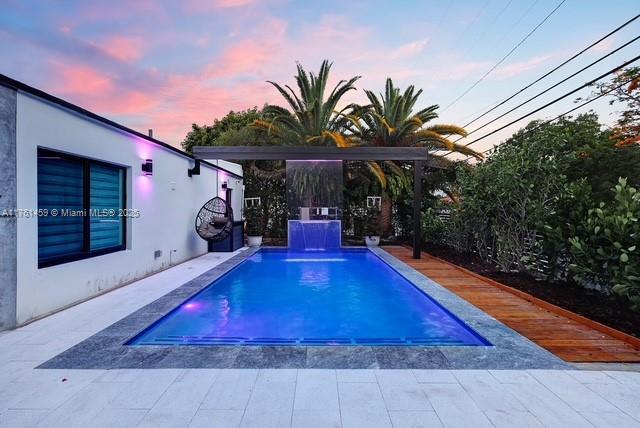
214	222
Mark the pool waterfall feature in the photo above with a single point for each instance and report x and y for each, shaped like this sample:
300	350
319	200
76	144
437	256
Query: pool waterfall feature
314	235
314	205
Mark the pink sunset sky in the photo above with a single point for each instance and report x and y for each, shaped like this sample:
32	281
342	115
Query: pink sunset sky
165	65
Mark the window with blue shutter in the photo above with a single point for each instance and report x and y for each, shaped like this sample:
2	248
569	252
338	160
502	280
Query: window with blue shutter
60	187
80	203
106	201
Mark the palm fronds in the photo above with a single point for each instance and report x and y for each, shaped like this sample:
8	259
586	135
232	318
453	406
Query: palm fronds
390	120
311	116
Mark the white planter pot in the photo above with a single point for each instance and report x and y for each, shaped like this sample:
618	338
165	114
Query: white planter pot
372	241
255	241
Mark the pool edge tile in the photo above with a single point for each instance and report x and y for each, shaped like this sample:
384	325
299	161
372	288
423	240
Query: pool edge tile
107	350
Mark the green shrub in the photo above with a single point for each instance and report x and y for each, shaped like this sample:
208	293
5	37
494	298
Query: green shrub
574	202
520	207
457	233
272	211
604	246
505	200
372	222
254	218
433	228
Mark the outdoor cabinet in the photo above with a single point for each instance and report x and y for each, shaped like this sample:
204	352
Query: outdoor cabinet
232	242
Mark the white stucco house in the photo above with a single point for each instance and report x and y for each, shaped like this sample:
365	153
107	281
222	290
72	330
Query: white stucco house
88	205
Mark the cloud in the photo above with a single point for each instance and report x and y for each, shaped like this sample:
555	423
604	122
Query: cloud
233	3
88	86
123	48
166	77
251	54
193	103
604	46
105	74
410	49
102	55
383	53
111	11
463	70
80	79
518	68
204	6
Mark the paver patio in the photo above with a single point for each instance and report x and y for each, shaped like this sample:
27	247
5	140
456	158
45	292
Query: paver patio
288	397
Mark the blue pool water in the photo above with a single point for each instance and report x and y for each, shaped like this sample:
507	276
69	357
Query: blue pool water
347	297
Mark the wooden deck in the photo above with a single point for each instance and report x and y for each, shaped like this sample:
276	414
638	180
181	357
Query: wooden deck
568	338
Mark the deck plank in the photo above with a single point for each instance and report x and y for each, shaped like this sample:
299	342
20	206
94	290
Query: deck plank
570	340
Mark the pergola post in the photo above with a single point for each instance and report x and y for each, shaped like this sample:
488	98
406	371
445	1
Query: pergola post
418	170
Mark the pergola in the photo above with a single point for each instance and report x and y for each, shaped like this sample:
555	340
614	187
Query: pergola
418	155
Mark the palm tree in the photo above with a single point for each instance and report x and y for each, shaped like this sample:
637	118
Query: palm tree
389	120
313	120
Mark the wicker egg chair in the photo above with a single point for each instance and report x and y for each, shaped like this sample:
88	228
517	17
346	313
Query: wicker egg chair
214	222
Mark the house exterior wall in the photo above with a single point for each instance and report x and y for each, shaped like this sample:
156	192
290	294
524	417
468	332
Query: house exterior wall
8	226
236	184
168	202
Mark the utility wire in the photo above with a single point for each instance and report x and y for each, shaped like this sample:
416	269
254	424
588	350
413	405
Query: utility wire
550	72
589	83
560	115
473	21
506	56
606	36
548	89
555	118
489	26
515	24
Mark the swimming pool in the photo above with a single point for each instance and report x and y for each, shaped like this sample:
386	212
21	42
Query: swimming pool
282	297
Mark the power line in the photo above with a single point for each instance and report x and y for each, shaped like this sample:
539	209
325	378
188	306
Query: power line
555	69
515	24
548	89
550	72
473	21
490	24
589	83
561	115
519	20
506	56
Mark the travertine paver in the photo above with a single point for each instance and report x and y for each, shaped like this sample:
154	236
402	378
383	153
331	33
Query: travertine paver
301	398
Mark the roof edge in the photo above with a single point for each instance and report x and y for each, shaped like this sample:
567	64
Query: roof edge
23	87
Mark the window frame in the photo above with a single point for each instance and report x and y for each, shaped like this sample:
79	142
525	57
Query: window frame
374	202
86	205
256	201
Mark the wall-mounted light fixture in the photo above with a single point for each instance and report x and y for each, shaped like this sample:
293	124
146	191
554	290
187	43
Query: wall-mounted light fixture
195	170
147	167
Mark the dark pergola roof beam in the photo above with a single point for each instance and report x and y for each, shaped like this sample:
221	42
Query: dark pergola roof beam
313	153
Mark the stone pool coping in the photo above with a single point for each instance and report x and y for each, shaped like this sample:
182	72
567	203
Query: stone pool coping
107	349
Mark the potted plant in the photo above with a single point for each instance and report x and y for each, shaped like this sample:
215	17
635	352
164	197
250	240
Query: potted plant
254	225
372	227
